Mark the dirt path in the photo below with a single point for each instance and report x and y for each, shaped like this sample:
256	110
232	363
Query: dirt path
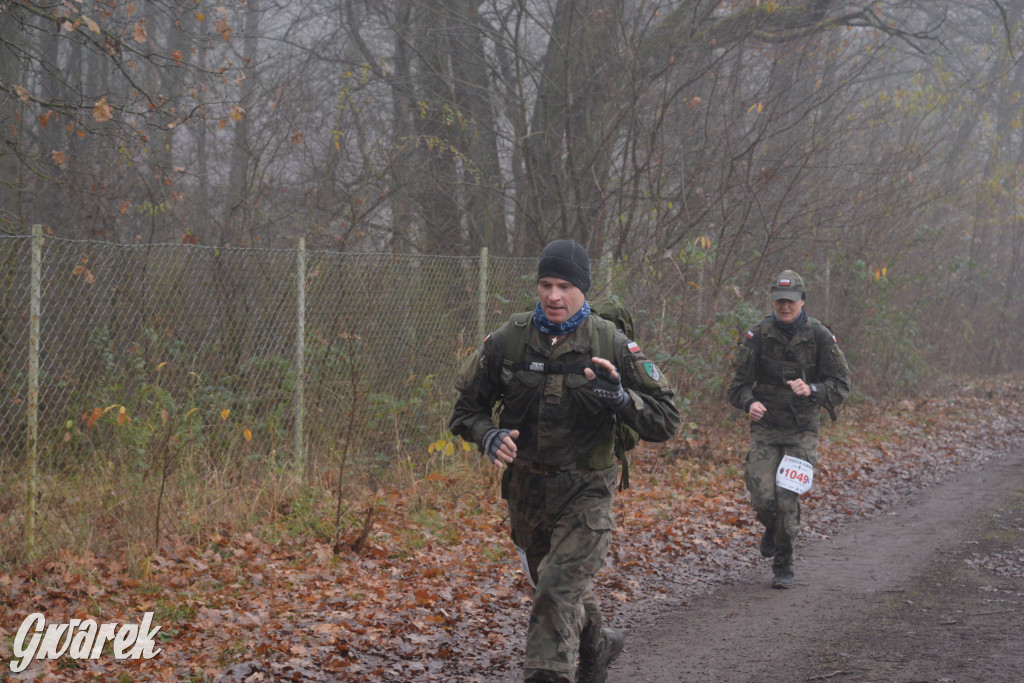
932	590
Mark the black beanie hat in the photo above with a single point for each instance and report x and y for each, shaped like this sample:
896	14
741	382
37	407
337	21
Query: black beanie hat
567	260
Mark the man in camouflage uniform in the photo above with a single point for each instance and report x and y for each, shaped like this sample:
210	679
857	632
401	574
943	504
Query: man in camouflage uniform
788	367
555	437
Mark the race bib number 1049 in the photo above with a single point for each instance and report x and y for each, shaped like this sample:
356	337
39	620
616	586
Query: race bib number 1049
794	474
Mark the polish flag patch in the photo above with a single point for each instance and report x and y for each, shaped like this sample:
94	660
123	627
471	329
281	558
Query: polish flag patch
750	334
785	282
634	347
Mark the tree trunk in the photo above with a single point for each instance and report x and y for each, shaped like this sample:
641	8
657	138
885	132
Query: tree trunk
10	128
236	221
437	135
481	171
573	133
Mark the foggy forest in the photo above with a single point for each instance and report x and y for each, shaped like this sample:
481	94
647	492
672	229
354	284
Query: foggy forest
874	146
189	436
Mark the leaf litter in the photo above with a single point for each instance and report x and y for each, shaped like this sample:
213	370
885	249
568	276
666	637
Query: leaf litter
241	609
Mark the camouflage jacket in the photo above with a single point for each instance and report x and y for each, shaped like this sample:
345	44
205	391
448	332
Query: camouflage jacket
765	360
560	420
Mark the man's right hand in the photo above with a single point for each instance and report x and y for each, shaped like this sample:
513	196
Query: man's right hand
757	411
500	446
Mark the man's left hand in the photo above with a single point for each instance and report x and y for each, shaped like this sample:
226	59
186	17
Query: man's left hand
606	383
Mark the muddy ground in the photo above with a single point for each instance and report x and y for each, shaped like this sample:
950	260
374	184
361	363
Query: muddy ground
931	589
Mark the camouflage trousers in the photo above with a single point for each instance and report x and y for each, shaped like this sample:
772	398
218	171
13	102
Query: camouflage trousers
777	508
563	525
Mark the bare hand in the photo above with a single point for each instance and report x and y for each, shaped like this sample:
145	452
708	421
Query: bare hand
757	411
799	387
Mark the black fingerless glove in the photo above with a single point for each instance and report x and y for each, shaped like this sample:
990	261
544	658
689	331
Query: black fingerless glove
609	389
492	441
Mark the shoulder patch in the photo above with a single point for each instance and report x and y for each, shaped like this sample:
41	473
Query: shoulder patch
652	371
750	334
633	347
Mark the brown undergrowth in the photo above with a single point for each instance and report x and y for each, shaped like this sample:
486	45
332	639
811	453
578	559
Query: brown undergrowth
435	592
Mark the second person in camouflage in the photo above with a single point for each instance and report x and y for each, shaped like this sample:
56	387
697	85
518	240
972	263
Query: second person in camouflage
788	367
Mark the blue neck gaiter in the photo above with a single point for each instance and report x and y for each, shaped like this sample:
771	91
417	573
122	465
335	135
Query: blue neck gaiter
558	329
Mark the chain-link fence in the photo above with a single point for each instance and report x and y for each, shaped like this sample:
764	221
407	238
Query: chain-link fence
221	331
246	359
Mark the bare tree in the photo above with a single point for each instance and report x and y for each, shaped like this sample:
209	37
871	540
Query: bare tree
701	145
84	92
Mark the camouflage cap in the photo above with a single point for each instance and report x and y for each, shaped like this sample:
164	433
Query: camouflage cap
788	285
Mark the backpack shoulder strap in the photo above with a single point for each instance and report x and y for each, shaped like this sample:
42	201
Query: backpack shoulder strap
602	339
822	334
602	345
820	328
515	340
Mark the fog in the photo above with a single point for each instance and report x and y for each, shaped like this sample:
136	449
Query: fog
701	146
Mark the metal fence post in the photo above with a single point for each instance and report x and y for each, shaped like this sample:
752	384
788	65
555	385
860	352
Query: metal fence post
828	289
481	313
32	426
300	347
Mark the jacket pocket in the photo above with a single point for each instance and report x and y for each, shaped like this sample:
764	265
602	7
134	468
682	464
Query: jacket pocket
521	392
582	396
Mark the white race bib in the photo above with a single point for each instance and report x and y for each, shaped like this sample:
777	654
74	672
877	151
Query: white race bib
794	474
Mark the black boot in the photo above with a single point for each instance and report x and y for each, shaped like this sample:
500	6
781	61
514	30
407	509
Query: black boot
768	542
594	661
